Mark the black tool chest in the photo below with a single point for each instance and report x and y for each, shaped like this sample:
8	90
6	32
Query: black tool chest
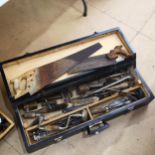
96	86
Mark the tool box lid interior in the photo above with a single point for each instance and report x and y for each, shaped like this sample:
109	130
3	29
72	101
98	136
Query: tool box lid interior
26	75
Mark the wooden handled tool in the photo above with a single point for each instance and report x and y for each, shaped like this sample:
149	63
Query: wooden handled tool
34	80
100	61
118	50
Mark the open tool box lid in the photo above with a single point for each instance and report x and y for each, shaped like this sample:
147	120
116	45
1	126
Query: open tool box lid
106	41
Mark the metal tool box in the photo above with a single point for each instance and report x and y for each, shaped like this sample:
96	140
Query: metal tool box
121	88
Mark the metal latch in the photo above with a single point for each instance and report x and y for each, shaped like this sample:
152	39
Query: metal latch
58	139
96	128
131	108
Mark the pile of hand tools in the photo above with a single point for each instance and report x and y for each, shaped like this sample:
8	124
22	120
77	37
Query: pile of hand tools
35	115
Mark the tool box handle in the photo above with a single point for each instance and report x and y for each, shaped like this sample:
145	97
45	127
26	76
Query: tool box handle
97	128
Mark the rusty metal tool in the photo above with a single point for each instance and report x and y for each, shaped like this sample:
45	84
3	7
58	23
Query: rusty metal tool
45	132
128	77
45	75
101	61
93	63
113	105
77	103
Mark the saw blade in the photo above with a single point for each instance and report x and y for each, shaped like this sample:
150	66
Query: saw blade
35	80
92	63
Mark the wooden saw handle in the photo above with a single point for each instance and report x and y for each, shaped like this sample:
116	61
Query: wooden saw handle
113	54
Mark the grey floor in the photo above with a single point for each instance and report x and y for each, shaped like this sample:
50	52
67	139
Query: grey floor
27	26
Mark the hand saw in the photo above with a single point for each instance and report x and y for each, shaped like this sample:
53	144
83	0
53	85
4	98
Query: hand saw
92	63
34	80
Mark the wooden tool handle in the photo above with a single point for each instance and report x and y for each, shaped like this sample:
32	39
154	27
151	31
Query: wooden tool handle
113	54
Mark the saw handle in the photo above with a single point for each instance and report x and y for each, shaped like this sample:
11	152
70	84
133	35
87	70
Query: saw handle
113	54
